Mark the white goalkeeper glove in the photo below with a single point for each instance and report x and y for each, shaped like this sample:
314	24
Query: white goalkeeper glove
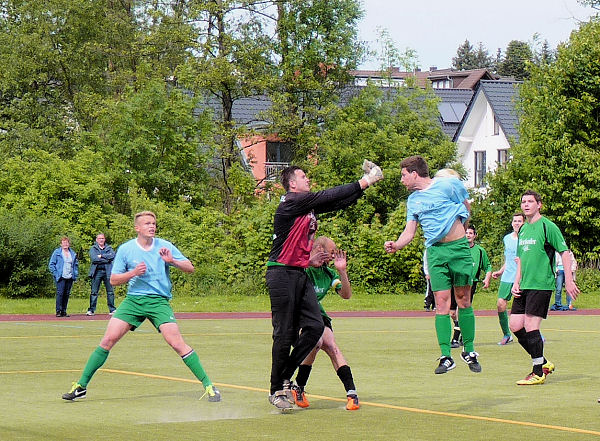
372	172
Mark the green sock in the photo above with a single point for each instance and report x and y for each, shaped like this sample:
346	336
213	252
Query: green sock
443	329
503	318
192	361
466	318
94	363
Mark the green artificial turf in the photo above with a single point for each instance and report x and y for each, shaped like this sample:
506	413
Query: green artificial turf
145	392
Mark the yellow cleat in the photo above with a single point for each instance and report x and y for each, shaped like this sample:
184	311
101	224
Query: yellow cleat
548	367
532	379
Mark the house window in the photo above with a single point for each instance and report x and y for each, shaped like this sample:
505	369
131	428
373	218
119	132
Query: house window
279	156
502	157
496	126
479	168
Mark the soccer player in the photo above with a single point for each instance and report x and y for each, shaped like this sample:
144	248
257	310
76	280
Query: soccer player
144	264
481	262
323	278
294	305
441	207
534	282
508	271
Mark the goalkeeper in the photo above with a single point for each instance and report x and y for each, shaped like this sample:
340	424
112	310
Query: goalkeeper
294	305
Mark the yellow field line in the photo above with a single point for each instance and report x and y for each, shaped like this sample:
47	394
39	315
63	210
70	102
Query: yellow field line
323	397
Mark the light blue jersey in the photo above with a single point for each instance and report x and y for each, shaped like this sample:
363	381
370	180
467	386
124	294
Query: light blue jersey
510	252
437	207
156	279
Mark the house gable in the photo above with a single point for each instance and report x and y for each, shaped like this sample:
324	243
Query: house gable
489	125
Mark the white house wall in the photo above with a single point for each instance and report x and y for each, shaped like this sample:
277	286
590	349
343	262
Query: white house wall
477	134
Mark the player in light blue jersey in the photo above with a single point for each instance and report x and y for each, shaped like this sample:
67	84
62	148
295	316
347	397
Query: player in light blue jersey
143	263
440	205
508	273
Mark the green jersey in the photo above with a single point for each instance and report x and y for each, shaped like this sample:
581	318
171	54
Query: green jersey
537	244
481	262
323	278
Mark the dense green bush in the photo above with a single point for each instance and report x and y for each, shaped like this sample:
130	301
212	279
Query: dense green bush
26	243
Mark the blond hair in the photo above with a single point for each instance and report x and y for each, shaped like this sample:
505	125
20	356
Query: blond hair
143	213
447	173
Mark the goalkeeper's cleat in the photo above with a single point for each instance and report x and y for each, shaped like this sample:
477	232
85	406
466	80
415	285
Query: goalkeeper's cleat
214	395
287	388
280	401
446	364
77	392
548	367
532	379
471	359
352	403
455	344
299	396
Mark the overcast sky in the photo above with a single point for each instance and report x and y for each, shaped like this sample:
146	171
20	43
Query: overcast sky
435	28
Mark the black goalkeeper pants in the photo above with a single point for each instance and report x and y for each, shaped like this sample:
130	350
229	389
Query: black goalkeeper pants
294	307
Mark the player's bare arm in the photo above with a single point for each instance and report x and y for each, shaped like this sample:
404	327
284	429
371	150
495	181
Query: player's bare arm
184	265
407	235
570	285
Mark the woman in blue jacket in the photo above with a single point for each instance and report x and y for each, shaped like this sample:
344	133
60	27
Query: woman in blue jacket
64	268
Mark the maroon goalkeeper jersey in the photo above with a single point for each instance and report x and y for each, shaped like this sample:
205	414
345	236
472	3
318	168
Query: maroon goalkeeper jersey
295	222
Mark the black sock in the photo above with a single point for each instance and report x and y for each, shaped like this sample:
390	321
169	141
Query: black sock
456	335
521	335
345	375
303	374
536	347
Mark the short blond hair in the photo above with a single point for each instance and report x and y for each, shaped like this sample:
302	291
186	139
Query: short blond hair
143	213
447	173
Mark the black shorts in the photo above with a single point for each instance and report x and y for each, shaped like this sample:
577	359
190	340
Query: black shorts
327	322
532	302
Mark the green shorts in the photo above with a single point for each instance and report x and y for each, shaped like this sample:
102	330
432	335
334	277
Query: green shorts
504	291
450	264
135	309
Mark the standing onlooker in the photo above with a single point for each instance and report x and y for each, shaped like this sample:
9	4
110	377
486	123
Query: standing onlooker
101	255
65	269
508	273
440	205
294	305
560	280
539	238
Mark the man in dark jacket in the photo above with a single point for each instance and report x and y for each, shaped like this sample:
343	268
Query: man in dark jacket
101	255
294	305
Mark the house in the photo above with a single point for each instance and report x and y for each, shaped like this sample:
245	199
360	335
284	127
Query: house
488	129
266	156
438	78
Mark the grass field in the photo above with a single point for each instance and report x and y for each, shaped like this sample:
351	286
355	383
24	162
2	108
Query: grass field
145	392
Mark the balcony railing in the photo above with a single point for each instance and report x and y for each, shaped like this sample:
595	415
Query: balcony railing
273	170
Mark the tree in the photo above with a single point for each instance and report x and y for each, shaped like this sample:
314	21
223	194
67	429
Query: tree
516	60
559	150
468	58
384	129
